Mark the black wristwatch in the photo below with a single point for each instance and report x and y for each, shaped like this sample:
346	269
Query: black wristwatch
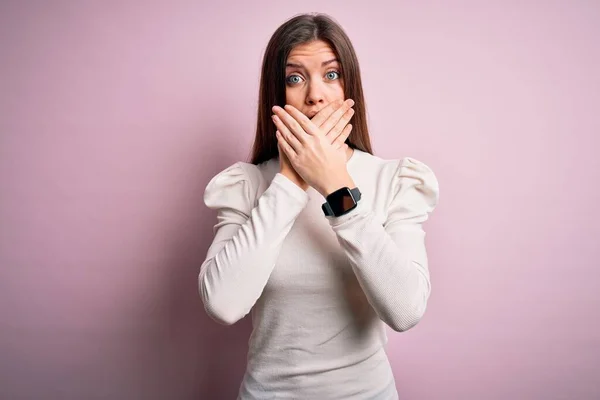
341	202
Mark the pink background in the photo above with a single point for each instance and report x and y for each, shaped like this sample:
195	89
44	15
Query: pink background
114	116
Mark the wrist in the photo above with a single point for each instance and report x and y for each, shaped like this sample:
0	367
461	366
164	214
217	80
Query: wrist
332	186
294	177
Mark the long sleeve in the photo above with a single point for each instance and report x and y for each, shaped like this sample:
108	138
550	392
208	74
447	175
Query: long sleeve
390	260
247	239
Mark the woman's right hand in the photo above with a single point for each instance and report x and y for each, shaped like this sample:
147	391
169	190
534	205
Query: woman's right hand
333	119
287	170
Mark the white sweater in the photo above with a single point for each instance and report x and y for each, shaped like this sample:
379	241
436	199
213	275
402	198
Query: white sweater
319	288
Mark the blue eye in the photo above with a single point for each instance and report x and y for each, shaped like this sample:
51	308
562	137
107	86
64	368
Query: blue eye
296	79
333	72
289	79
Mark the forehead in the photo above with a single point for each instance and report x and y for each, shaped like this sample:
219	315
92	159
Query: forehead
317	50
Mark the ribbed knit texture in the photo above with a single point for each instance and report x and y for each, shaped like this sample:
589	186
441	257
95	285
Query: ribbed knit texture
320	289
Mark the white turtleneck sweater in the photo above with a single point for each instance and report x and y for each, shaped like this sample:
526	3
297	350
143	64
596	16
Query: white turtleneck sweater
320	289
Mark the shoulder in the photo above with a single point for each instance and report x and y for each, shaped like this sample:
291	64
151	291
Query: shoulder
234	187
411	172
392	173
239	185
409	185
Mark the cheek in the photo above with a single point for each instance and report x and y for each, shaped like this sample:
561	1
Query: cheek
338	95
293	97
338	91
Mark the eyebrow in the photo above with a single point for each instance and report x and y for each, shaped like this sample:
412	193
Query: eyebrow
324	63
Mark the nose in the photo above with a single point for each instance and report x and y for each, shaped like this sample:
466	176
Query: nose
316	92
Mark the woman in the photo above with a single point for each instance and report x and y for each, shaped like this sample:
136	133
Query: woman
318	238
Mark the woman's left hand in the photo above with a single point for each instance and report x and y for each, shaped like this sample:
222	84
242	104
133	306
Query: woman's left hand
320	163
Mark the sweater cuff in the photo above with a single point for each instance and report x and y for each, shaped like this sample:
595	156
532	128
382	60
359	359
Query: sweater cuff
291	188
358	213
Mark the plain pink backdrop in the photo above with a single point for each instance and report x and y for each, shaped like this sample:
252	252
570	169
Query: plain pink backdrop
115	115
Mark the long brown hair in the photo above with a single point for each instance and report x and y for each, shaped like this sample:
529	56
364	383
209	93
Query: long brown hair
298	30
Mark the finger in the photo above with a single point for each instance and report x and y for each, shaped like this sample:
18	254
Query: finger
307	125
292	141
325	112
341	139
290	124
287	149
285	132
342	147
339	126
341	115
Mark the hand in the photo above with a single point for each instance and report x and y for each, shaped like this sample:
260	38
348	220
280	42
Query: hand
326	119
286	169
315	153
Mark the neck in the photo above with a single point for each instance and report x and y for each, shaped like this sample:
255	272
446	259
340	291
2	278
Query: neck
349	152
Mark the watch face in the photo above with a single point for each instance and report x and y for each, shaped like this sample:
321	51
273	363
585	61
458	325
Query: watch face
341	201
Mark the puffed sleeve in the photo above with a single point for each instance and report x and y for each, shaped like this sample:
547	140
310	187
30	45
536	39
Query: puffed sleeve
247	238
230	192
415	195
390	259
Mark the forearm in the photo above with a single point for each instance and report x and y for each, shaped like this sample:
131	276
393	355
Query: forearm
392	269
295	178
242	257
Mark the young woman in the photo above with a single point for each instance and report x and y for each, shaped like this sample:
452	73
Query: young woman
318	238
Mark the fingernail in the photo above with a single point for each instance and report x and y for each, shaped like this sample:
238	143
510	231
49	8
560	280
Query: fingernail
351	102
